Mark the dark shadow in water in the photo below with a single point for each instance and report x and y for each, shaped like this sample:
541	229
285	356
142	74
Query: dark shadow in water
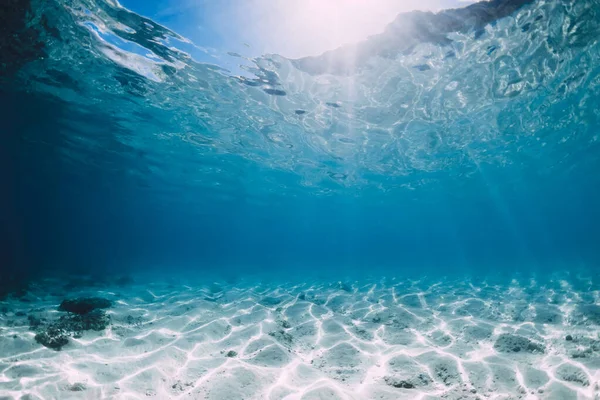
19	44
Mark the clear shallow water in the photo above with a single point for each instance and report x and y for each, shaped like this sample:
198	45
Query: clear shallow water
463	140
420	195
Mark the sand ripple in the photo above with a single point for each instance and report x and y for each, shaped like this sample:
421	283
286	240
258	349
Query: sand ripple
352	340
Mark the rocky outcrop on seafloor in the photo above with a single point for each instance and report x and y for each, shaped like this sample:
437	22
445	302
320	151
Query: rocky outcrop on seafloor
84	305
507	343
83	314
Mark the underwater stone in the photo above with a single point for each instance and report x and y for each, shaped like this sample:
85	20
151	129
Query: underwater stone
412	383
181	386
507	343
84	305
231	354
96	320
572	373
56	335
76	387
52	338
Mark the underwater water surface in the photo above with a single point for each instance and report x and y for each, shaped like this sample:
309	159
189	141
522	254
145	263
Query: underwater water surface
411	216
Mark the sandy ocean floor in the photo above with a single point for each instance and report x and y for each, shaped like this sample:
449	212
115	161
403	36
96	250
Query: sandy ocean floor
383	340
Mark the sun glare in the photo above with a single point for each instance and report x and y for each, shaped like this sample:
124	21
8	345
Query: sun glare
296	28
331	23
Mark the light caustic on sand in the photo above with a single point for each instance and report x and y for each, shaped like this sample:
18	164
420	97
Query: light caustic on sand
363	340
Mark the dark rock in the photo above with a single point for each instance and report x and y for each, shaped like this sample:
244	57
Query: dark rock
53	338
231	354
56	334
398	383
508	343
76	387
569	338
96	320
418	381
84	305
181	386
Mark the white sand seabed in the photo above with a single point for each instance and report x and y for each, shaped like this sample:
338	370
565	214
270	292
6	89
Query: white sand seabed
374	340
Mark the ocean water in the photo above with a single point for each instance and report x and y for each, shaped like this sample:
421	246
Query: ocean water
412	216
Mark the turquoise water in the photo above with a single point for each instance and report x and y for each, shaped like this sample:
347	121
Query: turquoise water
460	141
